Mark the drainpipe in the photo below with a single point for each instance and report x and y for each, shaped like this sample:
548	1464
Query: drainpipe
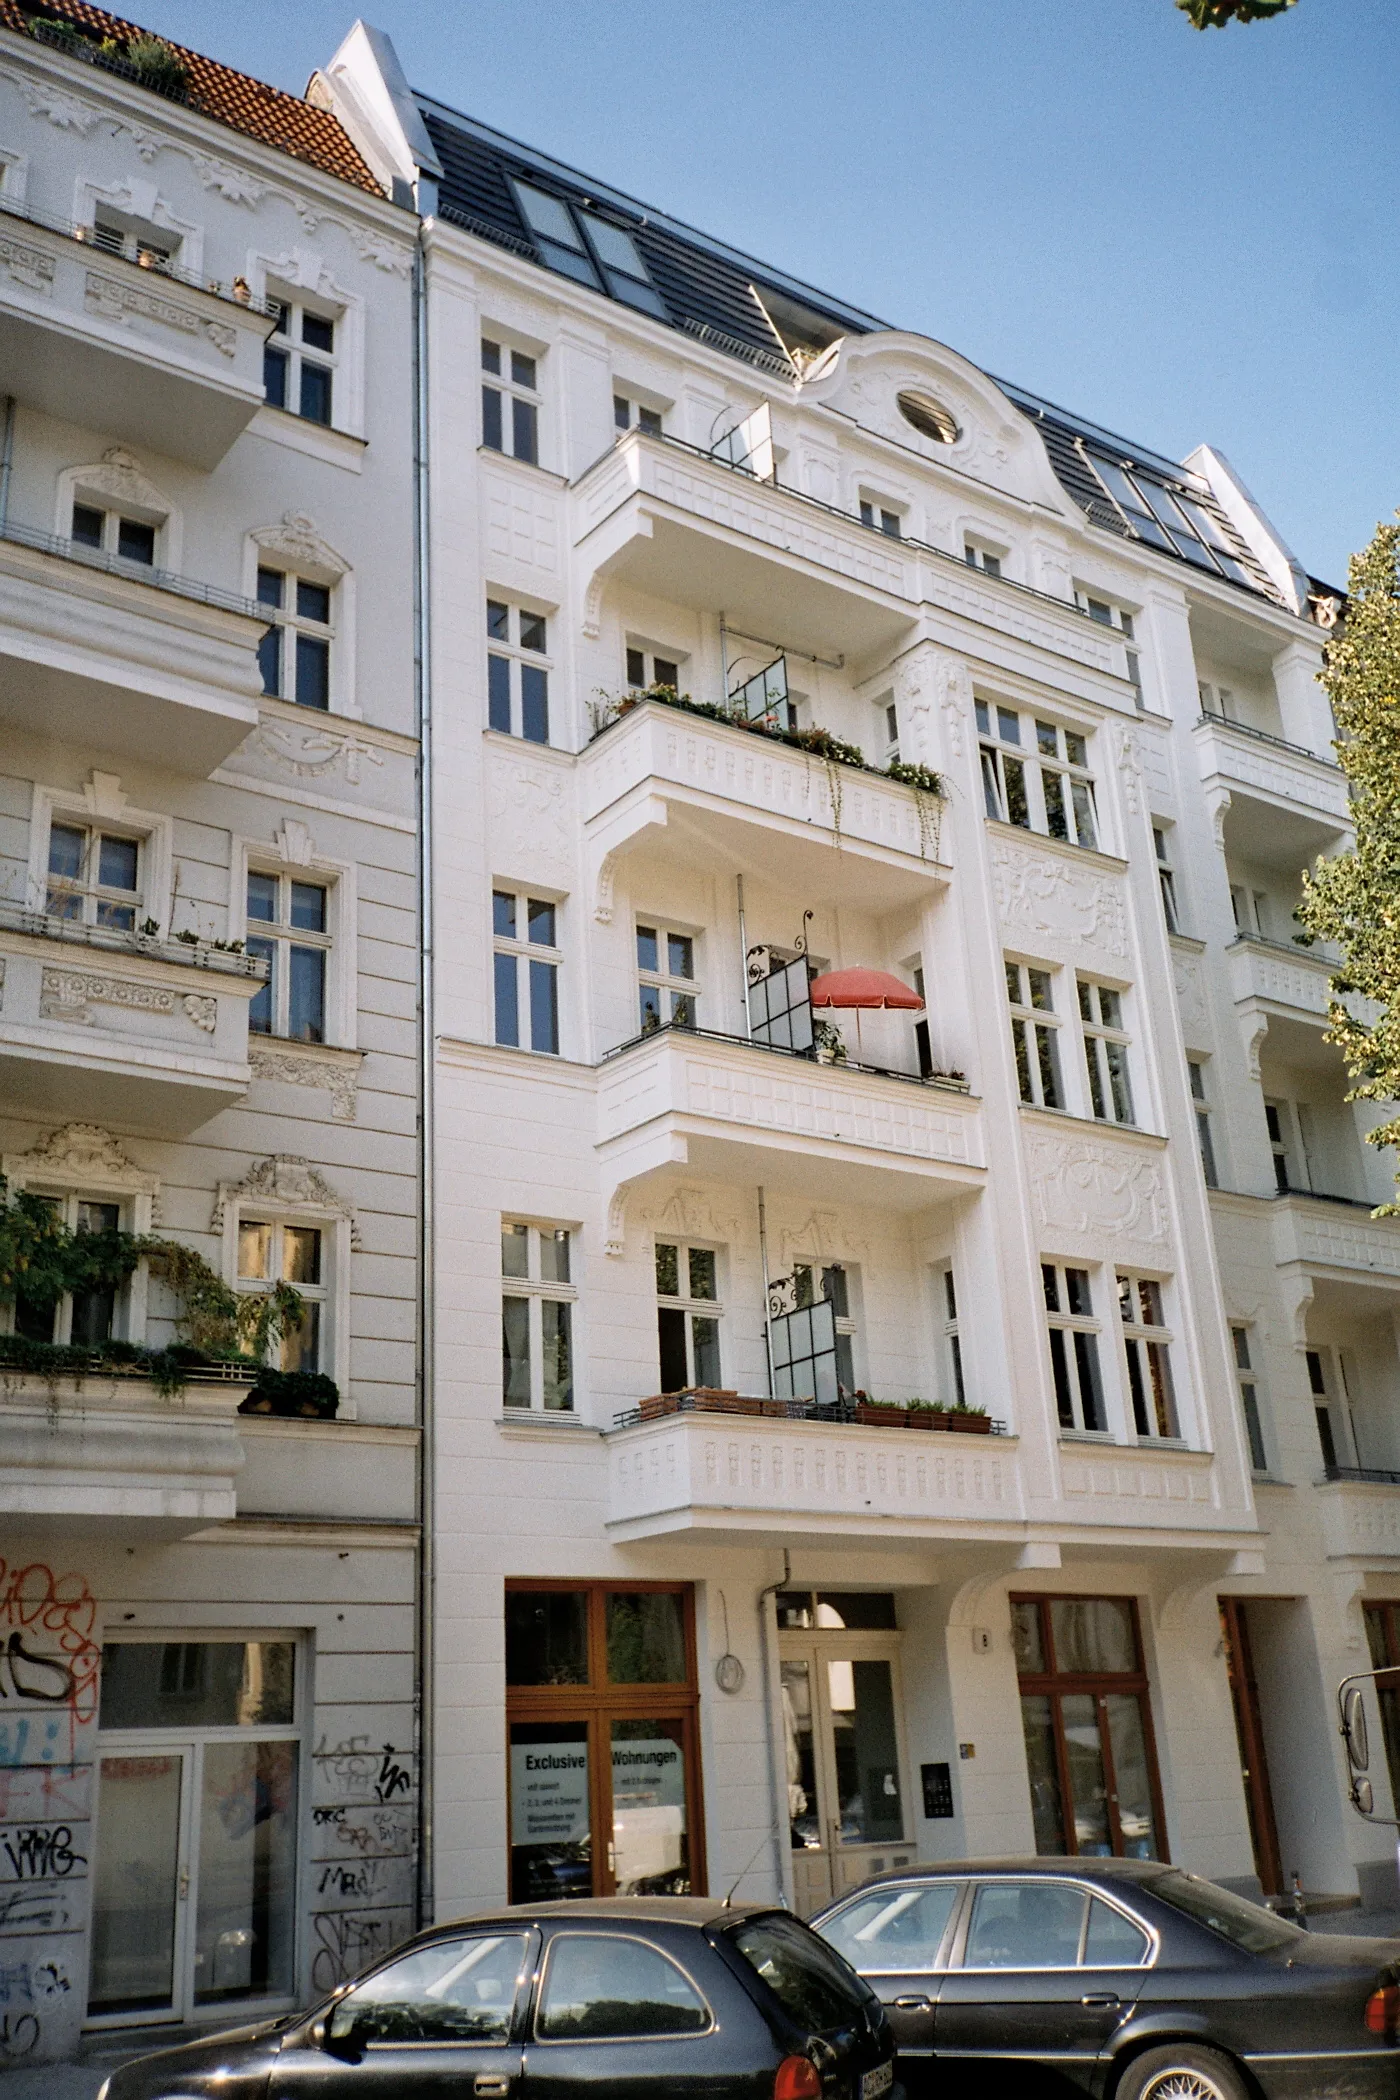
743	955
767	1305
7	454
422	675
777	1777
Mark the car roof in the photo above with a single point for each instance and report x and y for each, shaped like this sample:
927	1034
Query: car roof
1046	1864
617	1910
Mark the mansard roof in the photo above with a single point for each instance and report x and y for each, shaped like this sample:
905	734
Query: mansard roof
750	310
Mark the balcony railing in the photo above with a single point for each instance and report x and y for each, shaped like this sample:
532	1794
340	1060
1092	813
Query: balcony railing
71	230
950	1082
132	571
120	940
1209	718
844	1411
1366	1476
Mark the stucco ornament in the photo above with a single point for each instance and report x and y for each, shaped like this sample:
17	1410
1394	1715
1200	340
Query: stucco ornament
286	1183
1036	893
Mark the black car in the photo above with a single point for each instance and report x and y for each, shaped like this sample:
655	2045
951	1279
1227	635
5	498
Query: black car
551	2001
1121	1977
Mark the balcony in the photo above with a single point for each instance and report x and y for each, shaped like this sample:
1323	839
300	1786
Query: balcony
1274	977
672	520
1336	1234
746	1113
121	658
108	1453
103	1025
1360	1512
735	1480
151	356
1281	804
826	832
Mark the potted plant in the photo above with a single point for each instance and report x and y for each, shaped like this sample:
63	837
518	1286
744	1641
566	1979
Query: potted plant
973	1421
880	1414
828	1043
925	1414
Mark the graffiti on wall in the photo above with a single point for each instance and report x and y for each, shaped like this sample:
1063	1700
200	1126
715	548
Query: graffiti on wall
362	1826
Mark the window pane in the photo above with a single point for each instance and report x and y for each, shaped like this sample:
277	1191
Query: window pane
894	1928
491	420
276	365
601	1985
680	950
1064	1390
1080	1299
547	215
1085	827
315	392
1086	1361
1092	1635
515	1352
507	1000
524	421
301	1345
869	1805
245	1918
540	915
648	954
651	1839
636	667
1088	1786
1047	1811
453	1991
533	632
544	1007
704	1336
309	907
254	1248
556	1349
66	850
1025	1925
1056	821
270	661
534	704
615	247
670	1335
317	332
301	1254
262	895
92	1316
313	602
135	541
261	1005
87	525
197	1684
515	1250
1113	1941
546	1636
1130	1774
554	1256
117	862
306	997
646	1637
1017	807
550	1834
497	620
667	1271
313	672
490	355
702	1273
1008	726
498	693
1027	1637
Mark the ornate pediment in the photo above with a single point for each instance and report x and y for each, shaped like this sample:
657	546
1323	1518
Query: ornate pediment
286	1185
298	542
79	1156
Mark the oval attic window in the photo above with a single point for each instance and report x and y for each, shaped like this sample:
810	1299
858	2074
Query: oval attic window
928	416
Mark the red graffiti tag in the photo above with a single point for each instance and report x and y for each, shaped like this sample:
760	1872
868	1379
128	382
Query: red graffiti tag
37	1610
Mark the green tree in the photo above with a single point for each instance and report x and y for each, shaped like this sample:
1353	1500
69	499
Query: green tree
1354	900
1218	14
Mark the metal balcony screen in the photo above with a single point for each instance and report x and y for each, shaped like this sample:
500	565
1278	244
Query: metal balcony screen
764	694
804	1350
780	1007
749	445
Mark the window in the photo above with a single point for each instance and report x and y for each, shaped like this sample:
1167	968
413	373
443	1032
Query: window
1147	1343
517	672
1249	1398
629	414
1074	1347
1383	1641
888	731
811	1283
687	1316
94	877
1251	911
152	247
84	1318
295	947
1319	1385
603	1986
299	361
591	250
1088	1733
1033	1035
1217	700
108	532
537	1349
952	1336
1200	1101
270	1252
510	402
1109	615
1036	774
1166	877
814	1988
668	991
452	1991
1169	518
923	1041
978	557
527	963
894	1929
1278	1118
294	654
1105	1051
879	519
1025	1925
645	670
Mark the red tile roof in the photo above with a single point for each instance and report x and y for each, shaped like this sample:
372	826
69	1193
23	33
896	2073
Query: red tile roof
236	99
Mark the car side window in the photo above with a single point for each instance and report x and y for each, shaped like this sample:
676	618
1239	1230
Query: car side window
606	1987
1113	1941
452	1991
1025	1925
894	1927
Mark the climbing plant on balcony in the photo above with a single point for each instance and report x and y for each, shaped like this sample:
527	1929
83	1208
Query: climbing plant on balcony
1354	899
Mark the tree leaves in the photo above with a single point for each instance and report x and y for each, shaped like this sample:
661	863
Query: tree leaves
1218	14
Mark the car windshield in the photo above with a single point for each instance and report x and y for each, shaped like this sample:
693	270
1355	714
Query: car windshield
809	1980
1244	1924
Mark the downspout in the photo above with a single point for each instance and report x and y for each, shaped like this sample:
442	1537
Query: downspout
7	456
777	1779
427	1445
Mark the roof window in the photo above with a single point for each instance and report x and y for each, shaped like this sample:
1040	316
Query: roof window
1169	519
928	416
590	250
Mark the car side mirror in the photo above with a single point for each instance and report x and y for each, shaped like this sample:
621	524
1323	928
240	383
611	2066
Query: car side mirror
1354	1727
349	2043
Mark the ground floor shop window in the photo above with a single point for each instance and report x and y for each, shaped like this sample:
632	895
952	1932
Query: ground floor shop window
601	1707
194	1896
1087	1726
1383	1640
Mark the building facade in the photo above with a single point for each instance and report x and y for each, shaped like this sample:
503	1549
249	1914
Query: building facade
208	1035
1031	726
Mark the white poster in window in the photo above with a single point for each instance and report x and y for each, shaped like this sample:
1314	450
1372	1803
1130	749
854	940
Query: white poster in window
548	1793
648	1809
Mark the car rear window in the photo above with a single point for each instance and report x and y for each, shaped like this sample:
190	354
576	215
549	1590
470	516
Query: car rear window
601	1986
1244	1924
809	1980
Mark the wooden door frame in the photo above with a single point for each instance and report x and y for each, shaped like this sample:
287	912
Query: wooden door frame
1249	1730
820	1645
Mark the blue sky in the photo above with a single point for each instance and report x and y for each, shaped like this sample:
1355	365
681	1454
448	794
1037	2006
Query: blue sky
1184	236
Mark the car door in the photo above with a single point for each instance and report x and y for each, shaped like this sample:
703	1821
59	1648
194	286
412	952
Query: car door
616	2015
897	1935
439	2023
1045	1973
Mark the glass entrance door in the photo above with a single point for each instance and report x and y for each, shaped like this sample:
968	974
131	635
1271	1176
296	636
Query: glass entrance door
140	1887
846	1801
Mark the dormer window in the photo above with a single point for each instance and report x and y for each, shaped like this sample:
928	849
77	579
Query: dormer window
590	249
928	416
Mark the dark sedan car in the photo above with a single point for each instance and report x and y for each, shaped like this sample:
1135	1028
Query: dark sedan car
1121	1977
615	1999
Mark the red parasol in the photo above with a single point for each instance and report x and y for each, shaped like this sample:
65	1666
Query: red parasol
864	988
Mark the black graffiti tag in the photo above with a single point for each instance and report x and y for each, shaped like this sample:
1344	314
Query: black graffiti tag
393	1778
19	2033
41	1851
30	1675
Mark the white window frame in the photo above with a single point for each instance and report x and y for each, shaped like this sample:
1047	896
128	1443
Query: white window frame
147	212
292	852
1201	1103
118	487
882	514
524	950
887	732
1101	1036
240	1206
298	550
630	412
1035	1032
510	389
1028	750
1140	1337
990	560
1108	612
320	1294
691	1308
1328	1391
1243	1346
79	1179
949	1325
1082	1365
1162	837
535	1290
285	277
66	1200
288	339
663	980
676	661
510	649
102	804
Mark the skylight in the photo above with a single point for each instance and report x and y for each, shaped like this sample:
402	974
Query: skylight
590	250
1169	519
